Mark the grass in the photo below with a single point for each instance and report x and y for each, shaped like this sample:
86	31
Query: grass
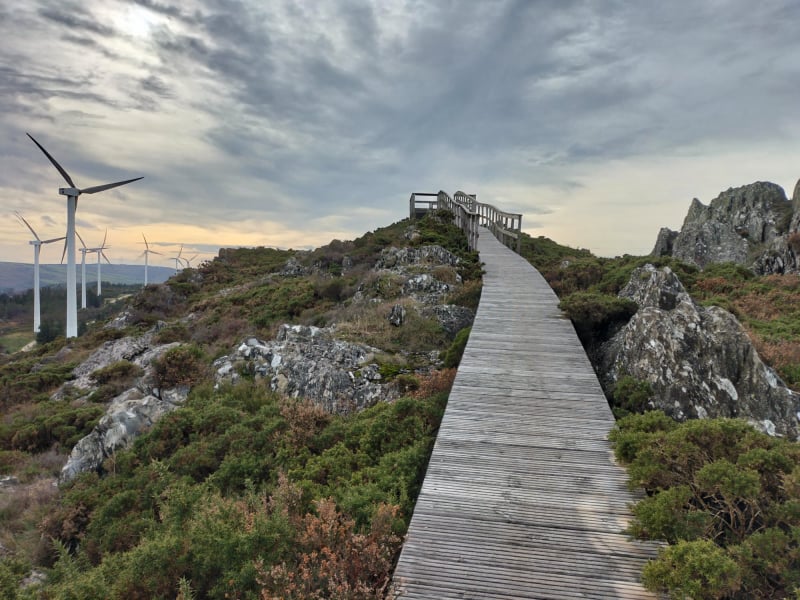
14	341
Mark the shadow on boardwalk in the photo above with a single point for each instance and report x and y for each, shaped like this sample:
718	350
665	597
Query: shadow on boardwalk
522	498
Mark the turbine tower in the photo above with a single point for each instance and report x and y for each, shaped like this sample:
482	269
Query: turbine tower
72	194
37	246
83	250
146	253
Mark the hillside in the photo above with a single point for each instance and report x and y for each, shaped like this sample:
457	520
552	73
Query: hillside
244	483
18	277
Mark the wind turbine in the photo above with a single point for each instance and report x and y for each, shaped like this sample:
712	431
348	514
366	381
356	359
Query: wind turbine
146	253
178	259
72	194
100	255
188	261
37	246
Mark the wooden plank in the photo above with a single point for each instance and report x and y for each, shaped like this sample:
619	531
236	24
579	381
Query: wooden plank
522	497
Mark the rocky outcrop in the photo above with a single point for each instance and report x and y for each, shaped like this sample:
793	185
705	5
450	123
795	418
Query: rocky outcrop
392	258
130	413
699	361
747	225
308	362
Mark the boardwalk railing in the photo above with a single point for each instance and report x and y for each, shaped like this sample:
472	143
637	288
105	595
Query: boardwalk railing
470	215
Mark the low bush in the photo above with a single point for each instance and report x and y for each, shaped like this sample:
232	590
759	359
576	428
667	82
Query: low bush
727	498
452	356
597	315
184	365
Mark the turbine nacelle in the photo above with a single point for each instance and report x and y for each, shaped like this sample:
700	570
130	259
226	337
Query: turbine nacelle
69	191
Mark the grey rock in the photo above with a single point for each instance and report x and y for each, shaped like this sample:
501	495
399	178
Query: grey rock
664	242
129	414
425	288
308	362
453	318
734	227
391	258
293	268
397	315
8	481
699	361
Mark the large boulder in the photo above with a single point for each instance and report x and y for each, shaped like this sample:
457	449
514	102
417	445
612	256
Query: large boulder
308	362
699	361
737	226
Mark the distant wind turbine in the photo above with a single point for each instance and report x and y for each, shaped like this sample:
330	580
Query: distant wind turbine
100	255
72	194
188	261
146	253
37	246
178	259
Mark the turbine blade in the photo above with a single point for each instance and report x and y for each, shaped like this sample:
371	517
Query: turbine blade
58	239
28	224
103	254
64	253
154	252
146	245
108	186
105	235
61	170
81	239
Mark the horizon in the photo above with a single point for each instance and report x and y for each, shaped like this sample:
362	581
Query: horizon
283	126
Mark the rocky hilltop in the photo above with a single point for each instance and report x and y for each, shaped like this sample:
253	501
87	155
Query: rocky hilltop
754	225
301	361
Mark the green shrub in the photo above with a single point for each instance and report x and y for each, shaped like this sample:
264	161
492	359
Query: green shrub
595	315
122	369
698	569
631	395
727	497
452	356
183	365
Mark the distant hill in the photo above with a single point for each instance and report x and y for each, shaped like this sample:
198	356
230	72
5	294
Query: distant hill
18	277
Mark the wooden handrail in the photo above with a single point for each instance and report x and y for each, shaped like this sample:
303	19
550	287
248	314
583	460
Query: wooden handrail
469	214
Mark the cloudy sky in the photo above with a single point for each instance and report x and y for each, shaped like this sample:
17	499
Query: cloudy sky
289	123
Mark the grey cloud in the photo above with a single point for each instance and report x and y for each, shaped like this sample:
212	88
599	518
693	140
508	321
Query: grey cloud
168	10
155	85
74	16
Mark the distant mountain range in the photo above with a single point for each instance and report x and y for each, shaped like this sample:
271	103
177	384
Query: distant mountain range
18	277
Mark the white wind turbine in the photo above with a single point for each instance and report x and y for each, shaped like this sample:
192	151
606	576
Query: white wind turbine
178	259
72	194
146	253
37	246
100	255
188	261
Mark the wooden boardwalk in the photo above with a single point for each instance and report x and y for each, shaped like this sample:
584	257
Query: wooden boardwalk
522	498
